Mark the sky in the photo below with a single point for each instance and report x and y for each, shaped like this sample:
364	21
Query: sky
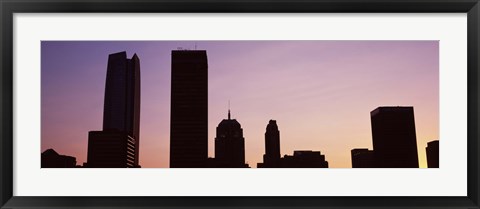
319	92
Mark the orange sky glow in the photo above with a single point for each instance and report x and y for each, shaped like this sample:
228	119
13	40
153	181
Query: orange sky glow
320	92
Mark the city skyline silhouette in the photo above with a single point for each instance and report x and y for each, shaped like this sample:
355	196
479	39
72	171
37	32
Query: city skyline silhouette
312	114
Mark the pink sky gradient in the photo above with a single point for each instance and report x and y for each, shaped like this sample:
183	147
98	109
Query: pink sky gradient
320	92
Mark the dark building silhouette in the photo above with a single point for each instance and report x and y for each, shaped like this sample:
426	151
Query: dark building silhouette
51	159
121	116
110	149
362	158
212	163
230	144
433	154
394	137
304	159
189	109
299	159
272	157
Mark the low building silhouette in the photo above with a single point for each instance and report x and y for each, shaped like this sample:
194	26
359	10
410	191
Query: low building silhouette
214	163
304	159
433	154
110	149
51	159
211	163
299	159
362	158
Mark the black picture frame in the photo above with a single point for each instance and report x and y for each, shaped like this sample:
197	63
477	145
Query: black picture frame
9	7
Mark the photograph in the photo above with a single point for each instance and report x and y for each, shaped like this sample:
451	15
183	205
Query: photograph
240	104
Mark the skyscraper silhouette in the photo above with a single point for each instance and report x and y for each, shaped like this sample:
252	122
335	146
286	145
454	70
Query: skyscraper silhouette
433	154
189	109
121	116
394	137
230	144
122	97
271	158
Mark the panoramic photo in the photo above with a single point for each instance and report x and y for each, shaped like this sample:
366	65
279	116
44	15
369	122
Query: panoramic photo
240	104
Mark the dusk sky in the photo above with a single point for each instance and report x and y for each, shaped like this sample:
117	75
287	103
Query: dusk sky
320	92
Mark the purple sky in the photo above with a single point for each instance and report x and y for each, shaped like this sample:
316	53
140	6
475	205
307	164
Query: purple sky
320	92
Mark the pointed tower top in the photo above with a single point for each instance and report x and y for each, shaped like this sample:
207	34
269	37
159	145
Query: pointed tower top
228	109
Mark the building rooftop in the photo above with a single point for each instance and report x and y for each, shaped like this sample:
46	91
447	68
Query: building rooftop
391	109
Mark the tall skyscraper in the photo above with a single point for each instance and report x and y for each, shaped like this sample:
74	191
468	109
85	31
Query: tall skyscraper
433	154
394	137
271	158
121	114
230	144
189	109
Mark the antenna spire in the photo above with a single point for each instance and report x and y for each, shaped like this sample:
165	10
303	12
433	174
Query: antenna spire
228	109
